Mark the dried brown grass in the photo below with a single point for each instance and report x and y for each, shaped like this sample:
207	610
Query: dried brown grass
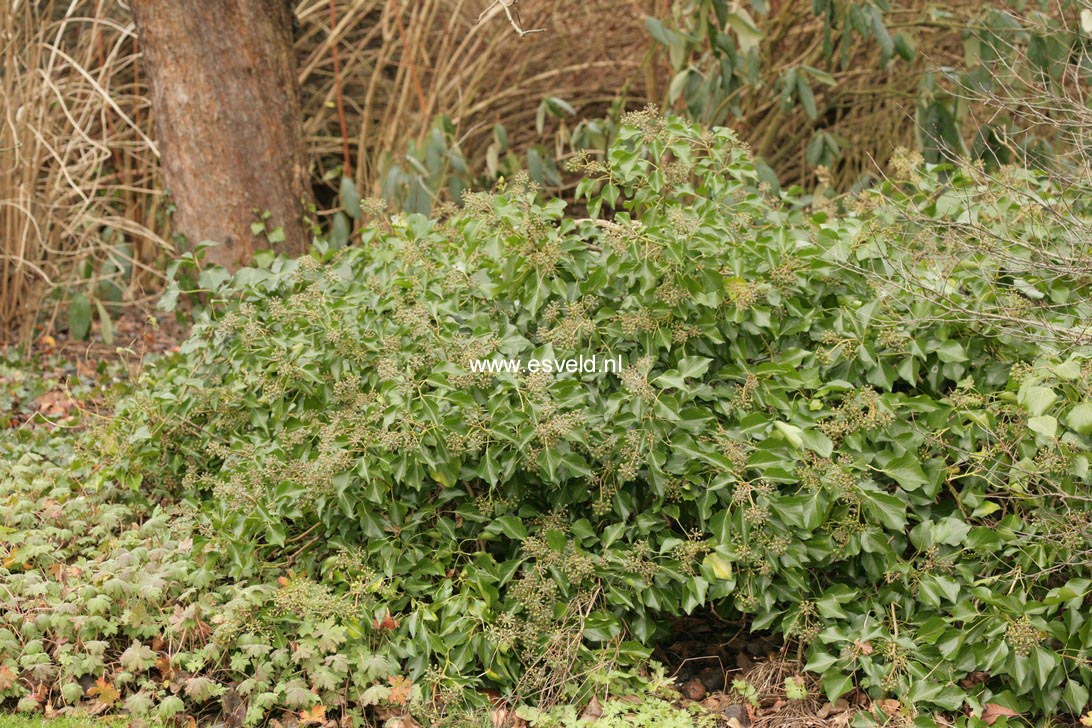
74	159
872	108
768	680
403	63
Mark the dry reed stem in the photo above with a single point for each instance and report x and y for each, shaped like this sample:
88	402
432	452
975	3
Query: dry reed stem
70	146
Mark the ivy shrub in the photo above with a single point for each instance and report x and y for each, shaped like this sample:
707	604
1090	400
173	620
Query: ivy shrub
796	439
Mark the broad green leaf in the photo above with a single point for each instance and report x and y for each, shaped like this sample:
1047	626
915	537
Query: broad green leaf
1070	369
612	533
694	366
1036	399
689	368
906	471
817	442
792	433
1043	662
212	278
1044	425
950	531
747	32
137	658
1075	696
510	526
79	316
885	508
835	685
350	198
951	351
821	662
1079	419
719	564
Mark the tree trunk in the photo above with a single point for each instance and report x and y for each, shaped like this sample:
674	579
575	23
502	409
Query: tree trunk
227	109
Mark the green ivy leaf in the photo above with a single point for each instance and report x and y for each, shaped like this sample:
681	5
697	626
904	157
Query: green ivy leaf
510	526
950	531
817	442
1075	696
792	433
1036	399
212	278
1044	425
835	684
906	471
884	507
1079	419
1043	662
720	565
821	662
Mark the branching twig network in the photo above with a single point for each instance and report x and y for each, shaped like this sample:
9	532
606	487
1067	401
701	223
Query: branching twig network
509	8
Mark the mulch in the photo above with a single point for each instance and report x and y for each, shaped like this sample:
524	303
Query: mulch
93	365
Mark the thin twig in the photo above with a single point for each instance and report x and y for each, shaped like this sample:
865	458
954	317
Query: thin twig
347	165
509	7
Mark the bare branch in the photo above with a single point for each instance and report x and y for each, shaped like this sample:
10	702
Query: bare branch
509	8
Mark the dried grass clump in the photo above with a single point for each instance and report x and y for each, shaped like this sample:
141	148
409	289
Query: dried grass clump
768	679
871	109
401	63
75	161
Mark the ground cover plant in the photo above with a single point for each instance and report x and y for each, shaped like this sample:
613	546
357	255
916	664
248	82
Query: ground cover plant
331	513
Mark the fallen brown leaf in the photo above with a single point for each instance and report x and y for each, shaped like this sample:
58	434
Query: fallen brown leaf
104	692
737	716
889	706
504	718
829	709
593	711
400	689
993	711
388	623
315	715
7	677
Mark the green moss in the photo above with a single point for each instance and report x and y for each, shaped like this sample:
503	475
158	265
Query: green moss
22	721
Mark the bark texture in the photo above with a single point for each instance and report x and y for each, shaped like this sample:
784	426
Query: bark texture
227	112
